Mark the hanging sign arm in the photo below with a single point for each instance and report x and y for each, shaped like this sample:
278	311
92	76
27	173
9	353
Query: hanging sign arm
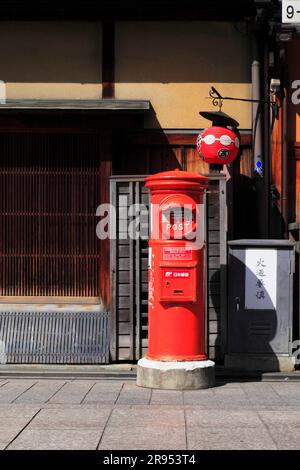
217	98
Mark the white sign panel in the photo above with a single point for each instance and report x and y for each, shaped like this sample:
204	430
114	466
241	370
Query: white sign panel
290	11
261	279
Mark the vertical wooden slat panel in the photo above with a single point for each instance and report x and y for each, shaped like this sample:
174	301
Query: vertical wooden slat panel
48	241
131	279
113	279
138	343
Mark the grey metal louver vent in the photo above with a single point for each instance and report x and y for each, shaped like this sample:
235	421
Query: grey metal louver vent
54	337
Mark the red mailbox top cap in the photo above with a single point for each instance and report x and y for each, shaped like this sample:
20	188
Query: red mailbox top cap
177	178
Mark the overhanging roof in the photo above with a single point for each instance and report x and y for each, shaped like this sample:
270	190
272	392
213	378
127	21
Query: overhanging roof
102	105
114	10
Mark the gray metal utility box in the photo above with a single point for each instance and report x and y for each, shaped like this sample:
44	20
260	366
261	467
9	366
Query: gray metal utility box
260	307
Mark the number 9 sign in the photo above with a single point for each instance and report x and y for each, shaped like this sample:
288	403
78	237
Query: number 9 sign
290	11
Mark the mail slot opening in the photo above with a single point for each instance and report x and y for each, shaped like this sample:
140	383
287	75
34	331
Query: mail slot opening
178	291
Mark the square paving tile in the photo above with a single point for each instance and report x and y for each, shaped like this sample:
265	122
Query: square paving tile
131	394
167	397
284	417
143	416
18	411
229	393
13	389
221	418
234	438
200	397
237	406
285	436
8	434
289	392
103	392
71	418
73	392
107	384
262	394
148	437
40	392
56	439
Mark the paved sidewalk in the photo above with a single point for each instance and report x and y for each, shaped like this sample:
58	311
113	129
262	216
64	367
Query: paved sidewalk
115	414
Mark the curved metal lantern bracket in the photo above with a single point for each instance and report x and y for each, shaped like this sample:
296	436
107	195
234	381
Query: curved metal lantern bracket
217	99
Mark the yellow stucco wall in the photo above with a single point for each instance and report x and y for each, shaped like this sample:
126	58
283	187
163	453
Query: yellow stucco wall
47	60
174	64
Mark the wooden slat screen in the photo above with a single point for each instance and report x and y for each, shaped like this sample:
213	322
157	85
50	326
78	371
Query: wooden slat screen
129	266
49	192
214	241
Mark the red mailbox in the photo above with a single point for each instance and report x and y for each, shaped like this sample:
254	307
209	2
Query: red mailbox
176	267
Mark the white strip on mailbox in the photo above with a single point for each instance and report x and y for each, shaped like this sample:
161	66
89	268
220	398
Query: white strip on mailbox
290	11
261	279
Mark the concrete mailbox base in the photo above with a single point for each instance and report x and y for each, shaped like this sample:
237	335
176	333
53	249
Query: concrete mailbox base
184	375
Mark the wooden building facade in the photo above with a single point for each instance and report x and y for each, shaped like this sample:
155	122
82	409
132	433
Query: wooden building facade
91	103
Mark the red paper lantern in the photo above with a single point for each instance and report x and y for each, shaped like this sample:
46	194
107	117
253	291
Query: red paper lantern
218	145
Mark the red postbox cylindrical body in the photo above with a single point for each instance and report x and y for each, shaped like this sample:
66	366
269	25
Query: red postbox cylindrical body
176	299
